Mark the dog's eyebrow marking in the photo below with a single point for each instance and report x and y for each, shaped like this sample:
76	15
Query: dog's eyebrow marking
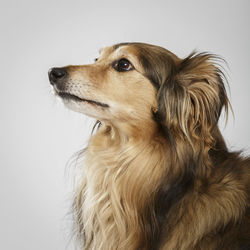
117	46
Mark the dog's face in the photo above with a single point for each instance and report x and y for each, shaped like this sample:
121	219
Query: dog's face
136	83
114	88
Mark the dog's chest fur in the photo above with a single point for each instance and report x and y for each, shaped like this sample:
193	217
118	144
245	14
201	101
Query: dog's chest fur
119	182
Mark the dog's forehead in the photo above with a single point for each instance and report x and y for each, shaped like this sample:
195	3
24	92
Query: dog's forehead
105	51
114	51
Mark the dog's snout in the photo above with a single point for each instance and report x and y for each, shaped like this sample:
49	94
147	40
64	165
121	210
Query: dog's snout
57	74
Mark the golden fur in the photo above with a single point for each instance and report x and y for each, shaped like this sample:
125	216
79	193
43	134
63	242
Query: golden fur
157	173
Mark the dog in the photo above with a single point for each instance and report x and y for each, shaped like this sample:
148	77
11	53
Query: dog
157	172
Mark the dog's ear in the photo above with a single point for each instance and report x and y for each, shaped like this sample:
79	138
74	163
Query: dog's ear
192	96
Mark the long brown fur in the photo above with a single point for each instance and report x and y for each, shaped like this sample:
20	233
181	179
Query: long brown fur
157	173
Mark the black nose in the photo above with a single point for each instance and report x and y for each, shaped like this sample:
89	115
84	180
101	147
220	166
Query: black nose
56	74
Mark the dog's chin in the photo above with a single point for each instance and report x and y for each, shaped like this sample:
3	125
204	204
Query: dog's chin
88	107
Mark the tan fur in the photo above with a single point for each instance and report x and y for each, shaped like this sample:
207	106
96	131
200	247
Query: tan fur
136	163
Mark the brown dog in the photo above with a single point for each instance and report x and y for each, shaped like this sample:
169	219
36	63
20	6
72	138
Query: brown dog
157	173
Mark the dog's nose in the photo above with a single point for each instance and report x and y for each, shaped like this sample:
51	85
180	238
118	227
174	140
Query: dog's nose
56	74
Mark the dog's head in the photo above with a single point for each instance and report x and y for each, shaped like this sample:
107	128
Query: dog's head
138	83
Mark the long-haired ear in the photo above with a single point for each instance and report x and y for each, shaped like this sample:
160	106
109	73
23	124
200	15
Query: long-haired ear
192	97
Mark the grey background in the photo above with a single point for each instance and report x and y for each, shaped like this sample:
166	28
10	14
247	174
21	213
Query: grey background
38	135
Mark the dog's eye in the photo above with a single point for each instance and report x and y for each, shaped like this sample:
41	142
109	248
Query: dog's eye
123	65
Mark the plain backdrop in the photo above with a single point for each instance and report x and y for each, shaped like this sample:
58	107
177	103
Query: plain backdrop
38	135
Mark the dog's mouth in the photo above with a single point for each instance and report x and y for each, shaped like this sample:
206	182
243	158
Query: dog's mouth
72	97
